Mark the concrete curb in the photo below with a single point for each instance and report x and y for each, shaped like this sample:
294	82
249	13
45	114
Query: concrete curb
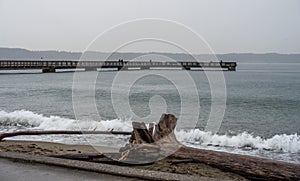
101	168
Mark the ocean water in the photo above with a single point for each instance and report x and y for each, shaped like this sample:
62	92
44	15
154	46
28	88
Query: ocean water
262	116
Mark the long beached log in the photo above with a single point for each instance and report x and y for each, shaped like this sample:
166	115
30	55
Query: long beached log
79	156
250	167
107	158
18	133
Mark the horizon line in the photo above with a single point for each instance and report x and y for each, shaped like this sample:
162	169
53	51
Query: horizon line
140	52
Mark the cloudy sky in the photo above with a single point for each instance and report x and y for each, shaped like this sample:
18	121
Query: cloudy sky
256	26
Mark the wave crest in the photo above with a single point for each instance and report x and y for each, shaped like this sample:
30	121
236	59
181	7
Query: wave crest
28	119
282	143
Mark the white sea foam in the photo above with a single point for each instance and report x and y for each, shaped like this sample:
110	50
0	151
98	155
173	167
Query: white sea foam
281	143
30	120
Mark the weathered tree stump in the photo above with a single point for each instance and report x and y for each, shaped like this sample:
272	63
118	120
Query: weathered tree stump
153	143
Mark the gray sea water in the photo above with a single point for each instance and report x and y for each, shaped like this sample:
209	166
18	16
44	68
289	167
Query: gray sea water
262	116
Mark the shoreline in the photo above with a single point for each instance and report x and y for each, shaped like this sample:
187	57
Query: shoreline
38	148
185	161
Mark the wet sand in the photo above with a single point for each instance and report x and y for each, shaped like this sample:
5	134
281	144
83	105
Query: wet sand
165	165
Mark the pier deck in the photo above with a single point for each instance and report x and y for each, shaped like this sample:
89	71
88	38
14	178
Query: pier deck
51	66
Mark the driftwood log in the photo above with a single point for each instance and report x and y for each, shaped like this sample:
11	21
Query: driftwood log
19	133
250	167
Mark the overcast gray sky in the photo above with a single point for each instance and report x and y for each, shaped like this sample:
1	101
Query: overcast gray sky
227	25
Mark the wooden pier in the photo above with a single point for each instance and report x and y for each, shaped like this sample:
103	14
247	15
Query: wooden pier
51	66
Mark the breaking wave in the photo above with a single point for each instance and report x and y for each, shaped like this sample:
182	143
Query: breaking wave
23	119
282	143
27	119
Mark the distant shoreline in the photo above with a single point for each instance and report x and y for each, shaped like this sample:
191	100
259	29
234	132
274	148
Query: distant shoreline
19	53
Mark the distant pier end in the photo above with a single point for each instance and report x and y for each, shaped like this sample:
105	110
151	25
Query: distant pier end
51	66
